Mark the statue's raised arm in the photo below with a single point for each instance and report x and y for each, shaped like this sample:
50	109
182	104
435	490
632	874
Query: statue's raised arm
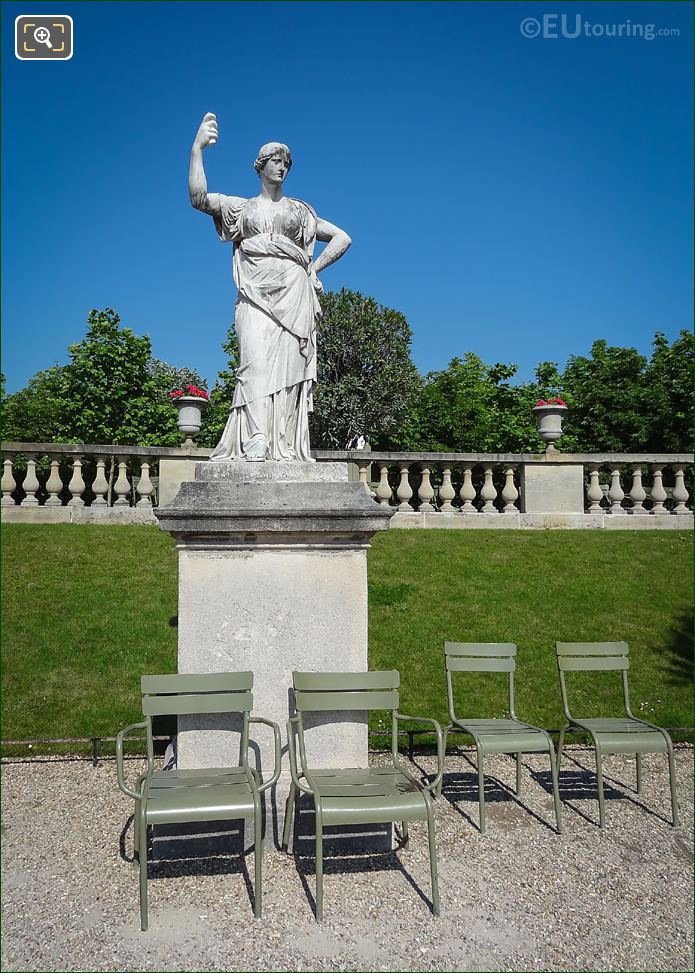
207	134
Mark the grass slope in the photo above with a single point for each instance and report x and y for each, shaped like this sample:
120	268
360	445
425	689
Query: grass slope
87	609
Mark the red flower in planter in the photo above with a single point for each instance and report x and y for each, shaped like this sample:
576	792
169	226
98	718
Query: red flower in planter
550	402
191	390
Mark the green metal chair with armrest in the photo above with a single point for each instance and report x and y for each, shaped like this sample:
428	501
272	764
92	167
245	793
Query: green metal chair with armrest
623	734
357	796
209	794
495	735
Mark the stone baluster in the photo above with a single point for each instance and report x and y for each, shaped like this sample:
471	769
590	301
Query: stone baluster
76	486
680	492
637	492
100	487
615	493
121	487
594	493
447	492
31	483
425	492
488	493
404	491
7	483
510	494
54	483
363	466
658	492
467	491
145	487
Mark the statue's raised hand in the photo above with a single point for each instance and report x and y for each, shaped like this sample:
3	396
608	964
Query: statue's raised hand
207	133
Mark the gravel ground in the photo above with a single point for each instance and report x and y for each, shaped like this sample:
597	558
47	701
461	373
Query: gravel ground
518	898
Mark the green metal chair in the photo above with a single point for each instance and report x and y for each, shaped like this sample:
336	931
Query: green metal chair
364	796
210	794
623	734
495	735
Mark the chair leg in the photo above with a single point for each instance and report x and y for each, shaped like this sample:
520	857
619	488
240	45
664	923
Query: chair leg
518	775
136	834
319	866
142	851
638	772
406	834
481	792
289	811
672	777
436	908
258	859
599	783
438	791
556	789
560	745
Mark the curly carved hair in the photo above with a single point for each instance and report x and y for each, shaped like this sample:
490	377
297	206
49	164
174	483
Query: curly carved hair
270	149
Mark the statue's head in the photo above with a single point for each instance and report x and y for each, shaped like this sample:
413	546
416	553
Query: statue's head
274	161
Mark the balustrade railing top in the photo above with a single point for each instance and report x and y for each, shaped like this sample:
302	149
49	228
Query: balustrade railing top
554	456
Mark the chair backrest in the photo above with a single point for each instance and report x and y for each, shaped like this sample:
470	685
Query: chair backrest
479	657
592	657
213	692
330	691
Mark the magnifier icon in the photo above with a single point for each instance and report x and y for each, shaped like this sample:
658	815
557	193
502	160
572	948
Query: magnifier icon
42	35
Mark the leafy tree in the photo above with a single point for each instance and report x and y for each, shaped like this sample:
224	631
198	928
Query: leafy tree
366	379
111	391
37	413
170	377
471	407
113	397
606	397
668	395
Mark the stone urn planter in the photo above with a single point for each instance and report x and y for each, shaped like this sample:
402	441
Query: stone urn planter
549	415
190	409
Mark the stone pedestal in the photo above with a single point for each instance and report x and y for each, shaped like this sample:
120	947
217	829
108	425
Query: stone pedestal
272	578
552	488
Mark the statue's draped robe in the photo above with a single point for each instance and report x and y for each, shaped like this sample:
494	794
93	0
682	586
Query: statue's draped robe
275	319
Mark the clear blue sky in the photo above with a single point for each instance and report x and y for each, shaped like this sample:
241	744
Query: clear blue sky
515	197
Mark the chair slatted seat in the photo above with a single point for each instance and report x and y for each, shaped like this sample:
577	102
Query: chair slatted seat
346	796
196	795
495	735
620	734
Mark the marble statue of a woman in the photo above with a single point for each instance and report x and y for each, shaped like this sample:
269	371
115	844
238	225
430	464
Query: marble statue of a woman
277	306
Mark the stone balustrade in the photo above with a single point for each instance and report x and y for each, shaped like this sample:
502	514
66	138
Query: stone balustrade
44	482
550	489
56	483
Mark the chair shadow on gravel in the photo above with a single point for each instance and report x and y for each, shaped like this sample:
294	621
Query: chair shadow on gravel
350	865
459	787
219	854
579	784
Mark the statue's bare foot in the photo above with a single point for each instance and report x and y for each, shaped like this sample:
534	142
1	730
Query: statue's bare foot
256	449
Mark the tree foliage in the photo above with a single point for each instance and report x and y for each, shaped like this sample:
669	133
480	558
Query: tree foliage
366	379
470	407
668	392
605	395
111	391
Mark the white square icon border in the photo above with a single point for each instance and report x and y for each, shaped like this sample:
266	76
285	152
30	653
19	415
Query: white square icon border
43	16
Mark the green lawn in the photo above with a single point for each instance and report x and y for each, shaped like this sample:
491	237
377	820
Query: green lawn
87	609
